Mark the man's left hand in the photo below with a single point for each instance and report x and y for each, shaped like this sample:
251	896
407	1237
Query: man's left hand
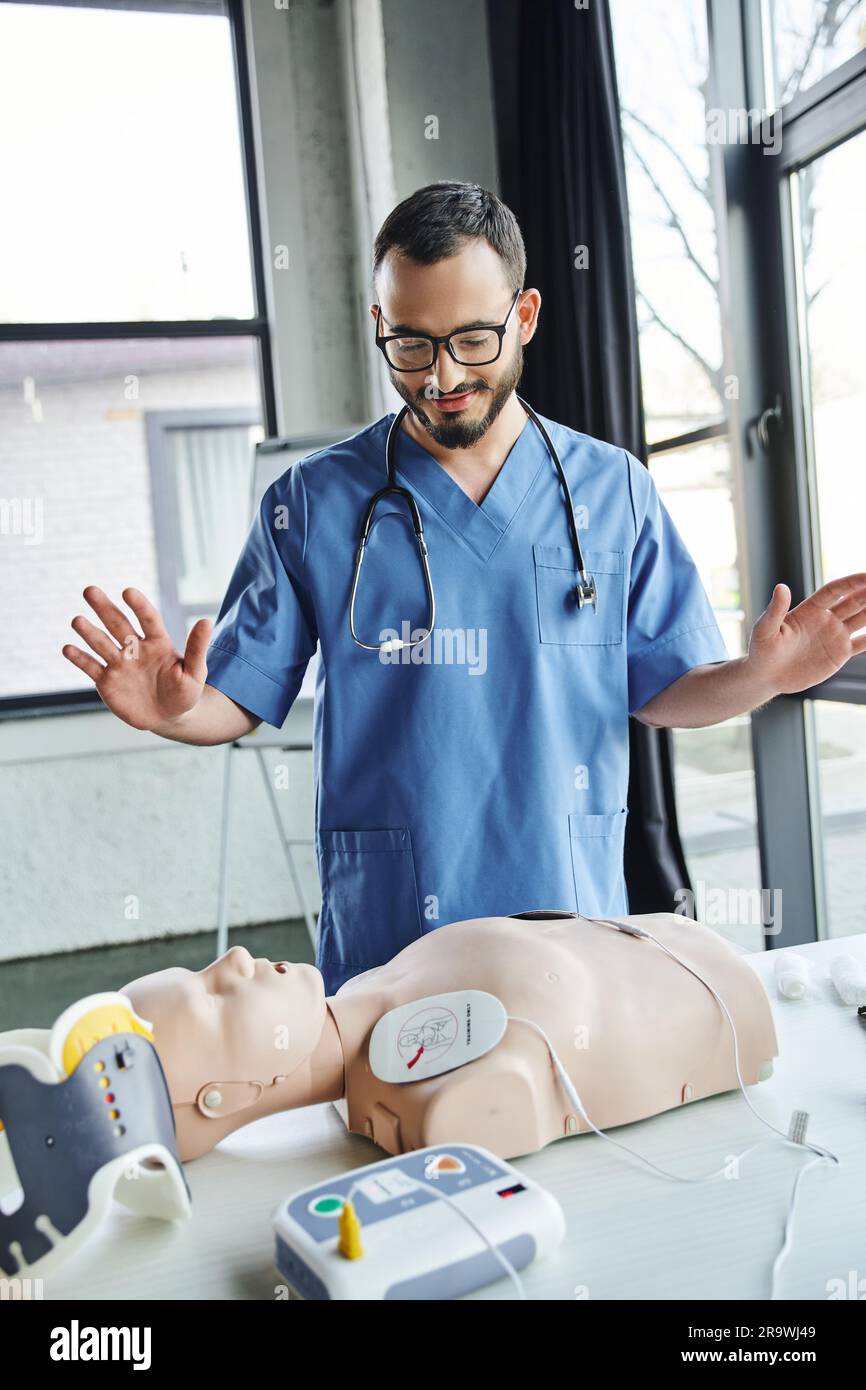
793	650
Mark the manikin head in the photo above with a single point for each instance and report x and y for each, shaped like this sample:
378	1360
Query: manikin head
449	257
229	1038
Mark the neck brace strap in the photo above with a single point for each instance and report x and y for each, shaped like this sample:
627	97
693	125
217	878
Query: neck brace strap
85	1115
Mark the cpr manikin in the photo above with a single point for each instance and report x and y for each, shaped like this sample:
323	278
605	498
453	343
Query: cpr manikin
590	1023
635	1031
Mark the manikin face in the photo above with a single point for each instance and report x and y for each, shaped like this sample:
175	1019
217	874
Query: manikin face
468	288
238	1020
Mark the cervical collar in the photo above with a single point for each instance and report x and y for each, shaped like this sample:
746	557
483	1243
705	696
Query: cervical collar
85	1115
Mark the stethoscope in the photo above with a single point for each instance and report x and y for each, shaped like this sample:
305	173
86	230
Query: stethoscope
585	592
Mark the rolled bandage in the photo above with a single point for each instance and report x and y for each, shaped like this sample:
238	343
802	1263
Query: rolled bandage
793	974
849	978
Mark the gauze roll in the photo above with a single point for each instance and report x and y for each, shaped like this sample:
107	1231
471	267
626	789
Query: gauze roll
849	978
793	974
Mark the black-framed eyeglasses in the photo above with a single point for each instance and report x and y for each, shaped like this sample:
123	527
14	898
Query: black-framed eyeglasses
470	347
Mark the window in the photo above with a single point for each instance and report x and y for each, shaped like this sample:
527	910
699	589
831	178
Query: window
80	423
828	200
748	247
827	205
804	40
821	186
713	767
662	56
121	157
134	359
839	733
202	478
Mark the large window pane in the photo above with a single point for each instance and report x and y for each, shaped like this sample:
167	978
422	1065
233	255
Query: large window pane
808	39
120	167
713	769
696	486
662	66
829	200
840	800
80	424
718	824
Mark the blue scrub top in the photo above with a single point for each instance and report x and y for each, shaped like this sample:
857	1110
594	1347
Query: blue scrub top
485	772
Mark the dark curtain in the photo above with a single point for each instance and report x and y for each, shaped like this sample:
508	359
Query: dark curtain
562	173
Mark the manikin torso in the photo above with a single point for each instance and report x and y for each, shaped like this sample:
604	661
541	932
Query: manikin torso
635	1031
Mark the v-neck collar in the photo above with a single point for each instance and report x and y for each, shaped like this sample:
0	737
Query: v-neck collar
481	524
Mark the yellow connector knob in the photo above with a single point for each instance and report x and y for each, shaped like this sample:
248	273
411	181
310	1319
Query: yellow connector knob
350	1233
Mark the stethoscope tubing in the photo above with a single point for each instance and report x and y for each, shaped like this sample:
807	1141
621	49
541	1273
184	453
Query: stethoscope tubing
586	591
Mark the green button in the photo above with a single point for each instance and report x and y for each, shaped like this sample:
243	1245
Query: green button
327	1206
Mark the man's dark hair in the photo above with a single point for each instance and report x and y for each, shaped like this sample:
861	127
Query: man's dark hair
434	222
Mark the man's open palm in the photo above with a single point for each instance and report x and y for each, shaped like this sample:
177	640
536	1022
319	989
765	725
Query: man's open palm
795	648
144	679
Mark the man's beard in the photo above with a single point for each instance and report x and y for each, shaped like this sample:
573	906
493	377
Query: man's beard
459	433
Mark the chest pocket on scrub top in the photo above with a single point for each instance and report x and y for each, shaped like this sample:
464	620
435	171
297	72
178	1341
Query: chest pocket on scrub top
559	618
369	896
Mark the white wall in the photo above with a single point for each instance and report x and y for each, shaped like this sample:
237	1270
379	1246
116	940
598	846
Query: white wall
113	835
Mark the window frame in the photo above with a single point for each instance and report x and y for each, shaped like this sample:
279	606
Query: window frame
257	327
758	259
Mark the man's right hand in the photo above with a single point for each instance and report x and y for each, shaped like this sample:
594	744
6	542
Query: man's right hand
145	681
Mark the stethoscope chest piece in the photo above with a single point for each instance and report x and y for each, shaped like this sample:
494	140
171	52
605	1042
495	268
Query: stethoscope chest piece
586	592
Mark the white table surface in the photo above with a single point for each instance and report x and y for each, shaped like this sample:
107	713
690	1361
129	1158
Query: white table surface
630	1233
